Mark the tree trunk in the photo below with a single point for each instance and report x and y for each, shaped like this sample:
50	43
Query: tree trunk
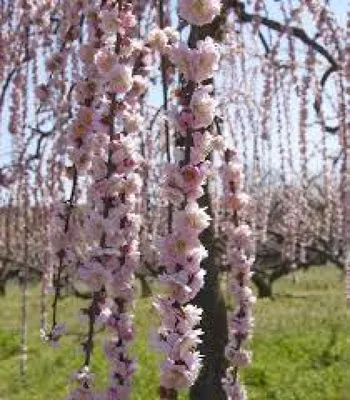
214	319
264	286
2	288
146	290
214	324
3	278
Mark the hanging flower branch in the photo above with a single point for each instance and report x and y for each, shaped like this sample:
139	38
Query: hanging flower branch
181	251
92	102
110	127
346	193
240	257
63	232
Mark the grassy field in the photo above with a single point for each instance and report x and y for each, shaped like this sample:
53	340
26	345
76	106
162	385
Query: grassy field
301	346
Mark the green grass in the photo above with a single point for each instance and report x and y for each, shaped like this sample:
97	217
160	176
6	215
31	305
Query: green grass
301	346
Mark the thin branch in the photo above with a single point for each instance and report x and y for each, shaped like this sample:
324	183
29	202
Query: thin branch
264	43
318	101
9	78
299	33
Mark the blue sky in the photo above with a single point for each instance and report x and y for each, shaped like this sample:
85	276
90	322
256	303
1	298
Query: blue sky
339	7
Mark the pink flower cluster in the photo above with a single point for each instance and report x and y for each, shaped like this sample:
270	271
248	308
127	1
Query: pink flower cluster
240	256
181	254
346	179
64	234
178	338
199	12
63	241
197	64
104	138
198	114
181	251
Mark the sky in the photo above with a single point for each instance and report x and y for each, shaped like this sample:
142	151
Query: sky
339	8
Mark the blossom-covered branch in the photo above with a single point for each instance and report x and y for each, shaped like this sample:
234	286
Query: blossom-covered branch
240	258
181	251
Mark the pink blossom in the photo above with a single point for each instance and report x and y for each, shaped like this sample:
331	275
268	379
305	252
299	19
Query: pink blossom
236	202
241	323
140	85
176	289
127	20
190	179
202	146
132	122
199	12
42	92
196	64
183	319
55	62
184	286
233	388
79	129
183	120
84	90
192	218
242	237
238	358
158	39
196	282
93	274
186	344
203	108
172	34
194	259
105	61
177	376
98	169
132	184
81	393
182	57
119	79
123	325
109	99
109	21
175	248
87	53
120	285
206	59
181	252
117	393
244	294
232	172
173	194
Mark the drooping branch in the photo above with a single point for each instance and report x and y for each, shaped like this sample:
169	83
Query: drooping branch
298	33
9	77
318	101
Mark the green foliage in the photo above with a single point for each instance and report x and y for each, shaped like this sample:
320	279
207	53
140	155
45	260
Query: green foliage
300	343
301	340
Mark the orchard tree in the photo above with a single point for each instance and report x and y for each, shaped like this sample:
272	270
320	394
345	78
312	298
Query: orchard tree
176	138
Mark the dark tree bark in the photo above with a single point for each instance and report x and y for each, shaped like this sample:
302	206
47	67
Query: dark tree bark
264	286
214	322
146	290
214	319
3	280
2	288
